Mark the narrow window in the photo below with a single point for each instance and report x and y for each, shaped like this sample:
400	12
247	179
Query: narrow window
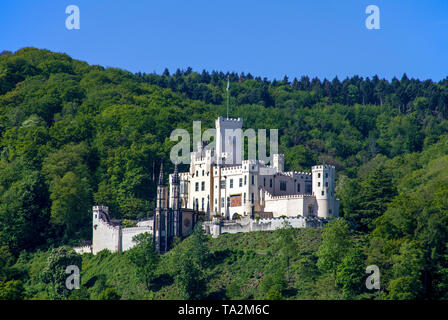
197	186
282	185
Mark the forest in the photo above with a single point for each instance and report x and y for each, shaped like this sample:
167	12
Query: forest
74	134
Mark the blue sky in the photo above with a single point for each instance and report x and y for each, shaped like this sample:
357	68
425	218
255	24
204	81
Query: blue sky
322	38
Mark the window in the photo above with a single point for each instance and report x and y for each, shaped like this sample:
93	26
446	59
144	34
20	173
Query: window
270	183
253	179
282	185
203	172
318	175
223	184
264	182
252	198
244	197
241	182
298	187
216	201
323	192
231	183
203	185
318	184
245	180
202	203
326	184
196	186
196	173
326	175
308	187
222	202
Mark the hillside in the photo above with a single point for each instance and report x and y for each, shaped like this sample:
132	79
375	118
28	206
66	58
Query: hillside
72	134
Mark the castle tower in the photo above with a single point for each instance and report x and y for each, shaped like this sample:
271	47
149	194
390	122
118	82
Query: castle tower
161	215
323	177
278	162
104	235
228	140
176	203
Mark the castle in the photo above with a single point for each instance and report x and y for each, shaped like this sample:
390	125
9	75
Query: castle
230	195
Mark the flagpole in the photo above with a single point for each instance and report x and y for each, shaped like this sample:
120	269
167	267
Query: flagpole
228	84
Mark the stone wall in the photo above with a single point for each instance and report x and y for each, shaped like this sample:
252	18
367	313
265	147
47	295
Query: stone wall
106	236
216	227
128	234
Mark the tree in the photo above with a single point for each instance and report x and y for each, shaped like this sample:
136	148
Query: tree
190	278
407	271
273	284
197	246
367	200
335	244
54	274
286	246
145	257
351	273
189	259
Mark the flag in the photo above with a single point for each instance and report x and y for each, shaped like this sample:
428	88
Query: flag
228	83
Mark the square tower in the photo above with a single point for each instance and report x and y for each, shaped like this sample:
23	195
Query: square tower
228	140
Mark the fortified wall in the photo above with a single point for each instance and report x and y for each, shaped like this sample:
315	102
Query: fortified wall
112	236
217	227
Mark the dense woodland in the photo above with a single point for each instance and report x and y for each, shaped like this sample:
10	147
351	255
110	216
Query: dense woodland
72	134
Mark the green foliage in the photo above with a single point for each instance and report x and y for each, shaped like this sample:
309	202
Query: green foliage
273	285
351	273
73	134
335	244
11	290
54	272
145	257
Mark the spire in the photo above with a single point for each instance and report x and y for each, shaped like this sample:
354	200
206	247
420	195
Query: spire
161	180
176	175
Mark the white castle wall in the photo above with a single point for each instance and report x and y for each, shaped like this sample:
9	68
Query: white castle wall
128	234
216	228
105	236
111	237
